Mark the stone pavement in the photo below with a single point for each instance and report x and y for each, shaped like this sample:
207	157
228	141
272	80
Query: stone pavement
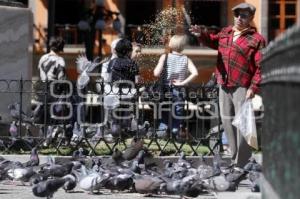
24	192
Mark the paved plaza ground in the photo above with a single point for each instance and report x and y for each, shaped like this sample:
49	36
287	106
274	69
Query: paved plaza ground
24	192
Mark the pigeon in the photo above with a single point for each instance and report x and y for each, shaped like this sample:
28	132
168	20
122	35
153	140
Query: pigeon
205	171
218	183
146	184
90	181
235	176
68	133
76	129
117	156
28	131
21	174
36	110
134	124
93	182
182	162
41	132
2	159
179	172
168	168
120	182
96	164
48	136
70	183
252	165
36	178
171	186
150	132
2	145
7	164
135	167
57	170
17	113
13	130
78	154
217	160
84	66
77	132
183	134
255	178
140	158
115	129
192	189
144	129
34	159
99	134
18	144
134	148
188	186
48	188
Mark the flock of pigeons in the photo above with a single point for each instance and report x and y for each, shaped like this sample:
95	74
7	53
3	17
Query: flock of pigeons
132	170
70	133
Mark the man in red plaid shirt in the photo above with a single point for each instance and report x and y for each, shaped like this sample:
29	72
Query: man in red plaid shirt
238	71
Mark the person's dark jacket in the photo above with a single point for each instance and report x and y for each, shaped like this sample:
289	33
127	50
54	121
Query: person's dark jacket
123	69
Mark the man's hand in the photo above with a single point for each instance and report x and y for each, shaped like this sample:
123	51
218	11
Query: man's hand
196	30
250	94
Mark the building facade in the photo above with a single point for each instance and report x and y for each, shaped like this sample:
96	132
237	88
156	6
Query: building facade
131	17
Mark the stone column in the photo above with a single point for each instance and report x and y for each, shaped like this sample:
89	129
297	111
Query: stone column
15	54
281	127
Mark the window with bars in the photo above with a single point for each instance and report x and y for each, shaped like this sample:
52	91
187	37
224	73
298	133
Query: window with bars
282	15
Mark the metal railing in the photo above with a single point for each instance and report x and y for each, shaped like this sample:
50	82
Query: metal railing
57	107
136	33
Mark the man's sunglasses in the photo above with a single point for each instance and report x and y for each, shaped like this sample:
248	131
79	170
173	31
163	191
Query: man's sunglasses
242	15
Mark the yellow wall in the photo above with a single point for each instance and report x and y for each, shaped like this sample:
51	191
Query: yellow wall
40	12
257	17
298	12
109	34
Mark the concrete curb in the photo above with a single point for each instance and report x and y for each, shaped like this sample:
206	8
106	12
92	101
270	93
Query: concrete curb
196	160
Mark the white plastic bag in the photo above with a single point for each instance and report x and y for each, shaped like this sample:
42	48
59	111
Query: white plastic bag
245	123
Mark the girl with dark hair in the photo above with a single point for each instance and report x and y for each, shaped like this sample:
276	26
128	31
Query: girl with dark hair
52	68
57	44
52	65
123	67
123	75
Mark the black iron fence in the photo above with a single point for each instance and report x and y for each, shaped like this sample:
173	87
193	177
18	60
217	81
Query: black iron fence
59	114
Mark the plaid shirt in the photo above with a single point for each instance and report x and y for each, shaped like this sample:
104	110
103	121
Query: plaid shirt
238	62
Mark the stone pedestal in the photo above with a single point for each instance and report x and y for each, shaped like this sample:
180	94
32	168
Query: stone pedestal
281	126
16	29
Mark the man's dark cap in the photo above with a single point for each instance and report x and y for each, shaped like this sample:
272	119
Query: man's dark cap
245	6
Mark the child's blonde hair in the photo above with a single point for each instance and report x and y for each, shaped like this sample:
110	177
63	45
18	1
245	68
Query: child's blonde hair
177	42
